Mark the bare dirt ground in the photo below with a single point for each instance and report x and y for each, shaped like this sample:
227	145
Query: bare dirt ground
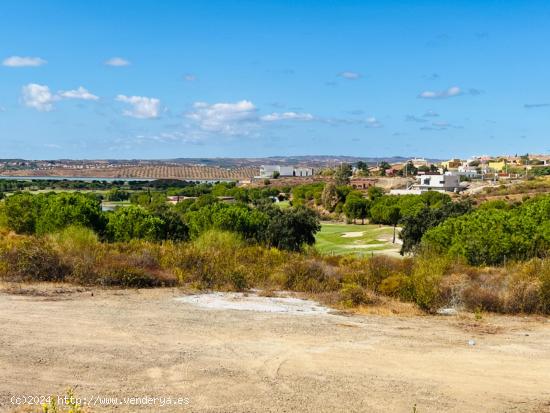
147	343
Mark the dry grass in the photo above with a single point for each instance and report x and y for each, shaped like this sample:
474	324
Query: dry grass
220	261
388	306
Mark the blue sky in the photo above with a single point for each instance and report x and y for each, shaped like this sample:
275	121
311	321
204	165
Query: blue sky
145	79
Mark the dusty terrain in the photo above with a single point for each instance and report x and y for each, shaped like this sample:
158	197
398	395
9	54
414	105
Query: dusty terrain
147	343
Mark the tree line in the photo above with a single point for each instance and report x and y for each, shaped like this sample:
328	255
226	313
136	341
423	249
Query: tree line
263	223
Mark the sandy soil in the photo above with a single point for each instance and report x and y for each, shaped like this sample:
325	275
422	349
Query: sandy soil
147	343
353	234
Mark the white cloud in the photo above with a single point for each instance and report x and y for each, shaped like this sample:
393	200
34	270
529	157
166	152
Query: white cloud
38	97
142	107
117	62
52	146
190	77
350	75
372	122
440	126
273	117
442	94
228	118
413	118
431	114
18	61
80	93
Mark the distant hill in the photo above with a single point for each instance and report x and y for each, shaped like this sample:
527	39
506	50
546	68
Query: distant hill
311	160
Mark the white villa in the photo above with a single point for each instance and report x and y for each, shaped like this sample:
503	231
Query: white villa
440	183
266	171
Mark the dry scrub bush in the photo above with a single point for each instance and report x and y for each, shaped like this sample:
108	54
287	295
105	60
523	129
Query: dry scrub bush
397	286
452	288
528	287
75	255
81	251
309	275
209	262
516	288
484	290
372	272
222	261
353	295
428	271
24	258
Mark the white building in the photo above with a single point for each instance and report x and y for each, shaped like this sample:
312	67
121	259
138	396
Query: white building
465	170
303	171
266	171
448	183
440	183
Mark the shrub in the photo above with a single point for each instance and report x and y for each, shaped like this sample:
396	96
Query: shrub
135	266
309	275
81	250
134	222
353	295
216	240
484	291
396	285
544	277
425	280
238	281
30	259
452	288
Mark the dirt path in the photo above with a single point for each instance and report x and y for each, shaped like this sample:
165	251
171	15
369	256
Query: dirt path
146	343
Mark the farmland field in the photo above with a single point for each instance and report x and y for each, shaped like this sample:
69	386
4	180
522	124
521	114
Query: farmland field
339	239
143	172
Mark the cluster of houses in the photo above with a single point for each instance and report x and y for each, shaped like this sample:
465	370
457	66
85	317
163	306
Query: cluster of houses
448	176
475	167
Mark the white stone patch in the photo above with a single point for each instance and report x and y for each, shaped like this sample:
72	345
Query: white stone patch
253	302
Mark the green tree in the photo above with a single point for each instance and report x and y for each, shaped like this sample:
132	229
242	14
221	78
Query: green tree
356	207
415	226
116	195
329	197
342	174
58	211
174	227
291	228
134	222
248	222
374	192
489	236
21	212
393	217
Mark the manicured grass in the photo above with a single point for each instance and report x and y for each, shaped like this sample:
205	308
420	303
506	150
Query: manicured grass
112	205
366	239
283	204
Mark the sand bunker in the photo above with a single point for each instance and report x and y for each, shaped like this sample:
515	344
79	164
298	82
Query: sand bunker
355	234
252	302
366	246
